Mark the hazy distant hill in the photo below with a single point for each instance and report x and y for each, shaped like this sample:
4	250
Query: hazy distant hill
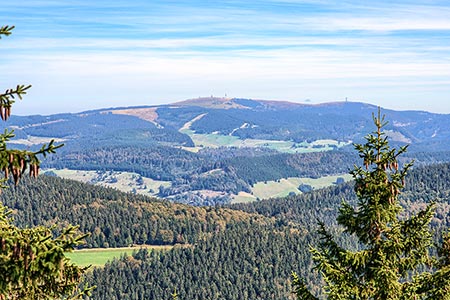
224	148
242	118
342	121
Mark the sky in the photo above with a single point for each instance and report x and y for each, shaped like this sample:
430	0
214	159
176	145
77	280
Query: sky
85	54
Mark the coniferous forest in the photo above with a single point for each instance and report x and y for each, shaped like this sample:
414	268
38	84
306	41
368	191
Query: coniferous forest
241	251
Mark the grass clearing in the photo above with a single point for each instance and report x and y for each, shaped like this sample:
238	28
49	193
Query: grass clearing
35	140
212	140
243	197
284	186
98	257
123	181
215	140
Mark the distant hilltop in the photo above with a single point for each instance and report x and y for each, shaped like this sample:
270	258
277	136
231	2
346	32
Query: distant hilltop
228	103
211	150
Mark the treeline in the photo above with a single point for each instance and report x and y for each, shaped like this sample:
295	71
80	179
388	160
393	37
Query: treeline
421	158
247	262
176	117
114	218
283	165
223	153
423	185
293	124
214	170
156	162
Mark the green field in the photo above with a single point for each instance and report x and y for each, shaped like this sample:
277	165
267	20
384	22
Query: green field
243	197
217	140
123	181
100	256
284	186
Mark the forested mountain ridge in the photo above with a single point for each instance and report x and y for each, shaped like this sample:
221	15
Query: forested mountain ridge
281	120
243	118
210	150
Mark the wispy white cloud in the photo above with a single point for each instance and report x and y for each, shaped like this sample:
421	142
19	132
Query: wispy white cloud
73	50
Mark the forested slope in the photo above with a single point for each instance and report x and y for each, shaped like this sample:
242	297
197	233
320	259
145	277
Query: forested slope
423	185
114	218
242	252
245	262
255	262
176	143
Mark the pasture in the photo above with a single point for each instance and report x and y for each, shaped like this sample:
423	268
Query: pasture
284	186
123	181
215	140
98	257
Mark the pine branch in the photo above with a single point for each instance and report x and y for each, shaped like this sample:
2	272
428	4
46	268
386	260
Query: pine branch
6	30
32	261
16	162
300	289
7	99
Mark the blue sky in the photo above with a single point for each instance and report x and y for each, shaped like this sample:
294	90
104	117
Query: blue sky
85	54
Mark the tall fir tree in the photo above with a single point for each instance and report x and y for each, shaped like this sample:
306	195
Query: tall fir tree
33	264
394	261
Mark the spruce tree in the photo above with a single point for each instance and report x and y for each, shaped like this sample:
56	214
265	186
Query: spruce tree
33	264
395	260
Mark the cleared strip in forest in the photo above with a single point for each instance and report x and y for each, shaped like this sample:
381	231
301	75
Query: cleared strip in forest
98	257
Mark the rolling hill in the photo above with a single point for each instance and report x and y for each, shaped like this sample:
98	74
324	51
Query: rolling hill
214	150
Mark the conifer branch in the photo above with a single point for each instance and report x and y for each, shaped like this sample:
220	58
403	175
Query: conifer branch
6	30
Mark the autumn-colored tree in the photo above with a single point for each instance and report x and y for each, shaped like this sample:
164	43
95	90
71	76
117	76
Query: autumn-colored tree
394	261
32	260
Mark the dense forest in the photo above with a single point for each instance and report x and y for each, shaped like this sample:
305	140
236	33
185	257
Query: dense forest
95	129
114	218
247	261
253	261
225	170
214	170
153	142
243	251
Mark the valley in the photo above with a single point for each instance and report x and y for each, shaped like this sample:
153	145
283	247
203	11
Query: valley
231	192
137	184
171	151
225	150
240	248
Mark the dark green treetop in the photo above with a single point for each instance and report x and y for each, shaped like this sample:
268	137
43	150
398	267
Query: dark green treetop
394	260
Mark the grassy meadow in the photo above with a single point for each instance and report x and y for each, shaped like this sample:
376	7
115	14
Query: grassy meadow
124	181
98	257
213	140
284	186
